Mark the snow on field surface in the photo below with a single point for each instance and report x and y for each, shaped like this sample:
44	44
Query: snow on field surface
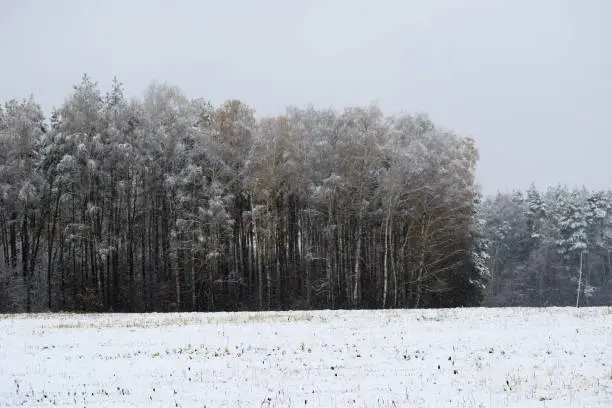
558	357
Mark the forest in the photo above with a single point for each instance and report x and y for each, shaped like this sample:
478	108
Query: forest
549	248
166	203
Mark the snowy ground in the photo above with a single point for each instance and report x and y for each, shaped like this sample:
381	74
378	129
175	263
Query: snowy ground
436	358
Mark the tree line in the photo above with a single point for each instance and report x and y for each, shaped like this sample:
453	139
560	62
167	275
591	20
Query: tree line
550	248
169	203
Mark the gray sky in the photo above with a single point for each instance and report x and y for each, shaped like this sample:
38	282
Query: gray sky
530	80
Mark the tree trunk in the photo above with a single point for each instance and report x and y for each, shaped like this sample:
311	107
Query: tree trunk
25	261
579	280
357	273
417	302
329	257
5	239
421	265
143	263
62	269
385	261
393	266
193	273
13	238
50	240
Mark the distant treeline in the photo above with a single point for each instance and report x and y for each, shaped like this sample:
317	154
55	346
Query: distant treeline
549	249
167	203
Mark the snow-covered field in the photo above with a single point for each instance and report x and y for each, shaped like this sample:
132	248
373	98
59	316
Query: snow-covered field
558	357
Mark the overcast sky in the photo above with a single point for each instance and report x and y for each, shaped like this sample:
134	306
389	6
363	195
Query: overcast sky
530	80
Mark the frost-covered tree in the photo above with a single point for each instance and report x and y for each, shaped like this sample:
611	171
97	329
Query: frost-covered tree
563	246
25	191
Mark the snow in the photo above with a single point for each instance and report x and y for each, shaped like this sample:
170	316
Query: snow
514	357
